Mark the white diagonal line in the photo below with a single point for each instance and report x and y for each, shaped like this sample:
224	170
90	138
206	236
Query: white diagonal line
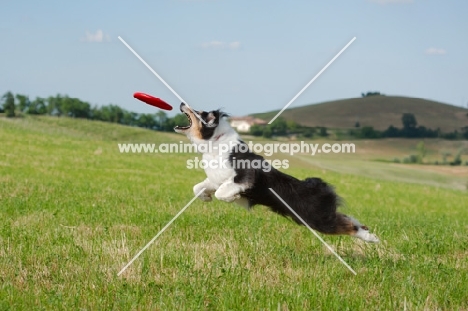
159	233
159	77
313	79
151	69
313	231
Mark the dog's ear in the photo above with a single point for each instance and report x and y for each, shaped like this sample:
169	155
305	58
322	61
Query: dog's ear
212	118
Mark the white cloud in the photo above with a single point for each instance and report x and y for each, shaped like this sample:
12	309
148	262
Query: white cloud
383	2
234	45
435	51
99	36
221	45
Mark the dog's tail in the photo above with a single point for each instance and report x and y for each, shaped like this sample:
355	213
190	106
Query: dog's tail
323	215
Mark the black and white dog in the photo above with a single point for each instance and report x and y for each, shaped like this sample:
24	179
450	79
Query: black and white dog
312	199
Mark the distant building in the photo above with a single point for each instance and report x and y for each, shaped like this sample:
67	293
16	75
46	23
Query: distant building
243	124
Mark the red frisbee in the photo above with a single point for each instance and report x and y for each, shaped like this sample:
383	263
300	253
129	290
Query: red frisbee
153	101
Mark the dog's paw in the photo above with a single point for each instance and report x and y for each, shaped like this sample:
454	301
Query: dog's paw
364	234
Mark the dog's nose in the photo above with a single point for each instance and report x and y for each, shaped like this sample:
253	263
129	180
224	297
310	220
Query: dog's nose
182	107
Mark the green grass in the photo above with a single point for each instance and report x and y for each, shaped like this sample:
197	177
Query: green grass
377	111
383	170
74	211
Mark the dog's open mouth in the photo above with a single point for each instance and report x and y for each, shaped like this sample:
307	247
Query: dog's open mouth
182	128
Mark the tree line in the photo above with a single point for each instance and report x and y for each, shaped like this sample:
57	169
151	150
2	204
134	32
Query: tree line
63	105
282	127
409	129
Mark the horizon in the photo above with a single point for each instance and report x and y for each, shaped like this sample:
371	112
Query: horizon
253	114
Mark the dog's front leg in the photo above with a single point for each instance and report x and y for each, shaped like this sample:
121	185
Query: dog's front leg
229	191
210	188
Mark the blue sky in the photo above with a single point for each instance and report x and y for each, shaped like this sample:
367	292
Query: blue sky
243	56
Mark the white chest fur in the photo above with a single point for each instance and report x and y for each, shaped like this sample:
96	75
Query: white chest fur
218	169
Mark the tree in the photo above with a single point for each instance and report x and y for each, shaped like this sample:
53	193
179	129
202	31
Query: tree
37	106
9	104
147	120
267	132
181	119
256	130
323	132
23	102
465	132
55	105
161	117
82	109
450	135
409	121
409	126
130	118
308	132
293	127
368	132
279	127
111	113
169	125
370	94
391	131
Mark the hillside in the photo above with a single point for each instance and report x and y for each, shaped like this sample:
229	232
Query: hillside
377	111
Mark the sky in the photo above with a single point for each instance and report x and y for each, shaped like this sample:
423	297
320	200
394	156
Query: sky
242	56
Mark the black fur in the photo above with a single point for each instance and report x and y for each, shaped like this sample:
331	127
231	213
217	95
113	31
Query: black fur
312	199
207	131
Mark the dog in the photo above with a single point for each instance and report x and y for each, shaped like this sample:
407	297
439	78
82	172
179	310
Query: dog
312	199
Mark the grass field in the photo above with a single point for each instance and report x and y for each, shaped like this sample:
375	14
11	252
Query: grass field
74	211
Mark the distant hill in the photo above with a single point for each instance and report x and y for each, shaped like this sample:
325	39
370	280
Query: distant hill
377	111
